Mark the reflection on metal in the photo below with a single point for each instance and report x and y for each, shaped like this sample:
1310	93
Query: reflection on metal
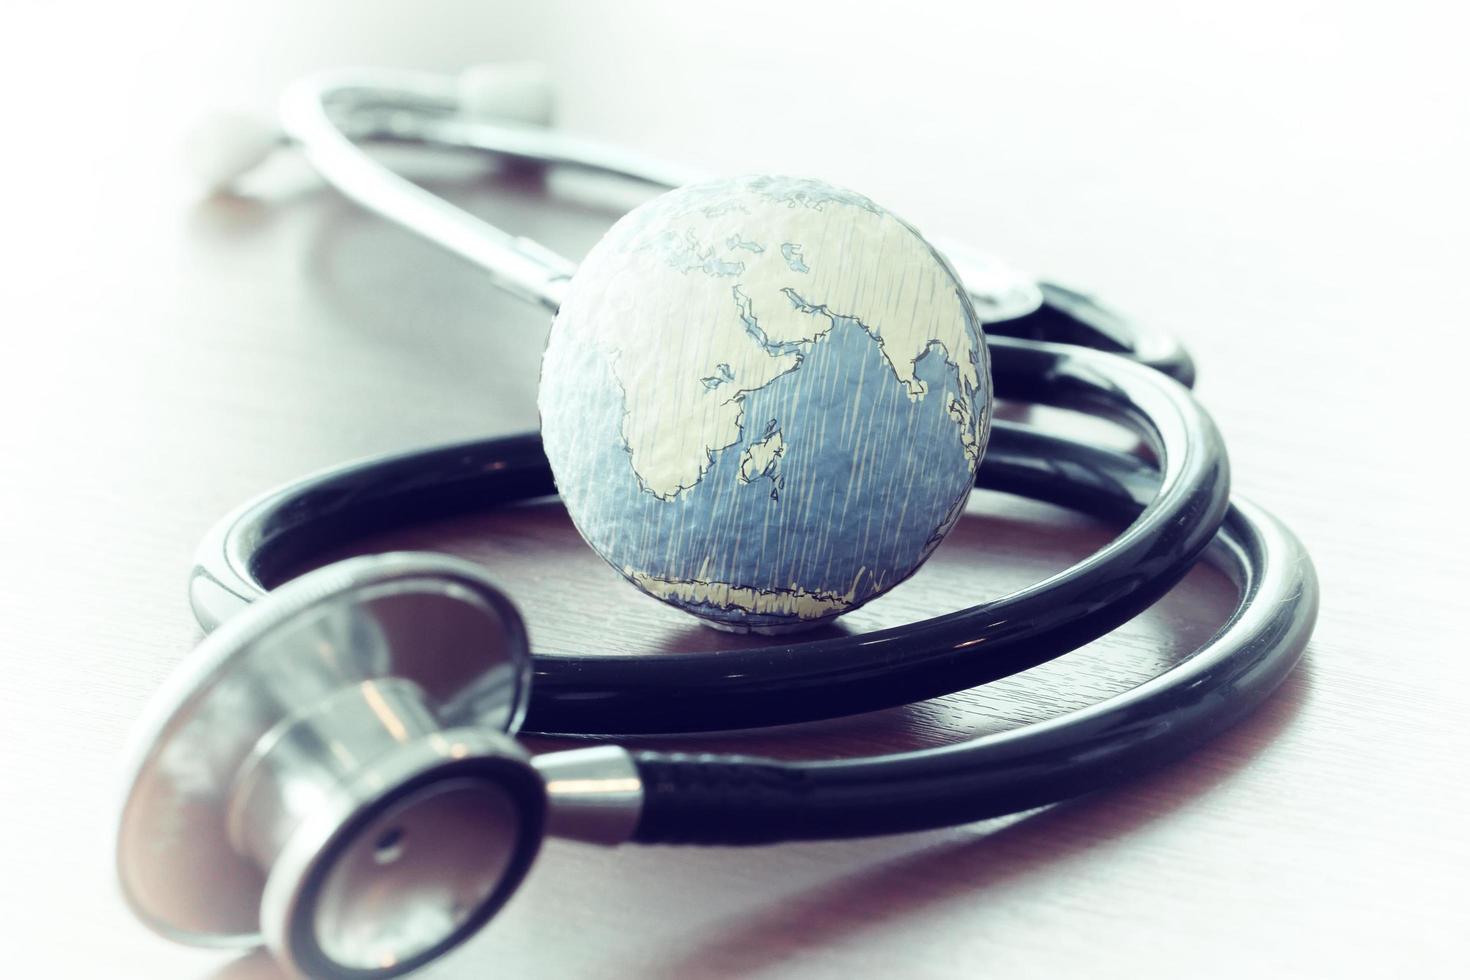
595	794
316	742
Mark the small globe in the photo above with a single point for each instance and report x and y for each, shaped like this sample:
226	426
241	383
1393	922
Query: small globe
764	400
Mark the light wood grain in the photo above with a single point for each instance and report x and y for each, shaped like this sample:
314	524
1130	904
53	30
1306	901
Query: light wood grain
1281	183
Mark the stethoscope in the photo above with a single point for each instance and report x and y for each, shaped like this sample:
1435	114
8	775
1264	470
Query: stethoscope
333	771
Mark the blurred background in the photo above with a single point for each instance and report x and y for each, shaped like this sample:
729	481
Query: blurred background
1269	141
1281	183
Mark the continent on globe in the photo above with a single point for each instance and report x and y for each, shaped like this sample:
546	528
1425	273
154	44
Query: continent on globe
764	400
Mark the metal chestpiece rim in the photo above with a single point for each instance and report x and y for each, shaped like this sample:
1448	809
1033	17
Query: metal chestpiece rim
354	731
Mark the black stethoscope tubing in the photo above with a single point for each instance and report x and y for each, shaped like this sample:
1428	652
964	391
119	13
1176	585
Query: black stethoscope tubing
716	799
724	799
1172	521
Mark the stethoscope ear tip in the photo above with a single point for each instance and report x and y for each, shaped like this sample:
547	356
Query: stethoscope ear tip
509	92
224	146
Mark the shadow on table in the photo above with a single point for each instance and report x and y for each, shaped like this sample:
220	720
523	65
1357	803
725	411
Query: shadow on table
881	895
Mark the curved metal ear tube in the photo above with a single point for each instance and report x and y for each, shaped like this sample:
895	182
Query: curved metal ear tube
492	109
503	110
325	113
310	775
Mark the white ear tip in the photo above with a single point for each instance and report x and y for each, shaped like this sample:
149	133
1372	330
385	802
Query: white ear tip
225	146
518	92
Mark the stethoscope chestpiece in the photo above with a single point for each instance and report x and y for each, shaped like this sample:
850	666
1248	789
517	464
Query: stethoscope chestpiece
332	772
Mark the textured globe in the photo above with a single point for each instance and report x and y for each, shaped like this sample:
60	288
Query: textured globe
764	399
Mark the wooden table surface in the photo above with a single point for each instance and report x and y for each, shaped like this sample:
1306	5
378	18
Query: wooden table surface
1283	184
